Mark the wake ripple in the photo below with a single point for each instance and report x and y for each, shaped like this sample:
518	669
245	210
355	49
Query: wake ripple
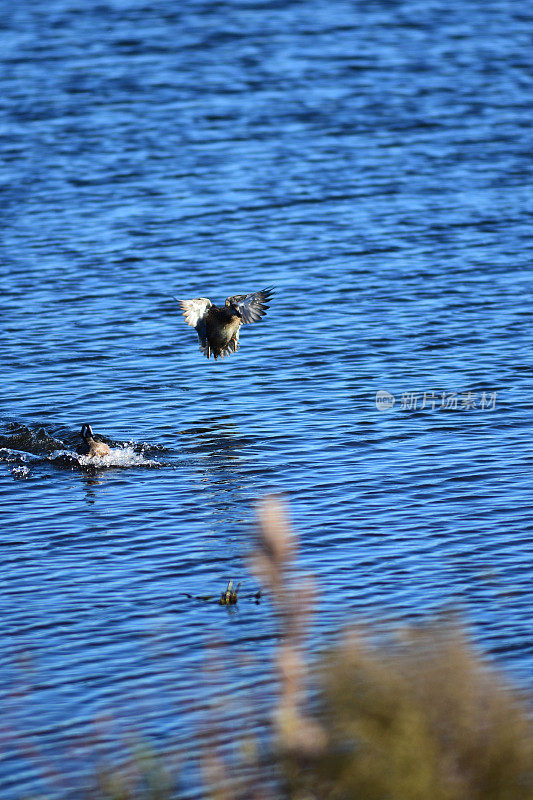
25	446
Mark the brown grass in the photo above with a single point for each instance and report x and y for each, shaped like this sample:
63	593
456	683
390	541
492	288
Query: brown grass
418	715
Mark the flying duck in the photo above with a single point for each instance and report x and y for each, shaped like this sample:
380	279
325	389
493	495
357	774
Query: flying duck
218	326
91	446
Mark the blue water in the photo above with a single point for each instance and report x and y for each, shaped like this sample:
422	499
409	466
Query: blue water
372	162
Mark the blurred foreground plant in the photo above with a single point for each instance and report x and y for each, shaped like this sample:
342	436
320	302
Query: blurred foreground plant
143	776
418	716
294	599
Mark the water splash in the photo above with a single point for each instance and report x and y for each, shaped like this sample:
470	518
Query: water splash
21	473
9	456
30	444
122	457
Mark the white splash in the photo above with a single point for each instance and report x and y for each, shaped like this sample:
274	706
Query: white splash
117	457
21	473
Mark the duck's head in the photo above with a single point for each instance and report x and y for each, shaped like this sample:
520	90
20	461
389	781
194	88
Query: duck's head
86	432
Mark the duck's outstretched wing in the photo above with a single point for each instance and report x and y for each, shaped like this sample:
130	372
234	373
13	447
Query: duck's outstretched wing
250	307
195	312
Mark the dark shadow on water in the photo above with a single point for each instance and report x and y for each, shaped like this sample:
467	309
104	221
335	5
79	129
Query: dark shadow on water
219	454
215	435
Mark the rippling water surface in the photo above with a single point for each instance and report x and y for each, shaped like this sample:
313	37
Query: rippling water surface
373	163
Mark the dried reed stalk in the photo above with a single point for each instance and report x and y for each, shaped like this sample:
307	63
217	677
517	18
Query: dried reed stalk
273	563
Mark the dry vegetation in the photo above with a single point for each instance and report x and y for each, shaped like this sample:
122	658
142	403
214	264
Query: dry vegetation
417	715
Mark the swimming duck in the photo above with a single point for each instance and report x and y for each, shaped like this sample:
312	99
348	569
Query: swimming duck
91	446
218	326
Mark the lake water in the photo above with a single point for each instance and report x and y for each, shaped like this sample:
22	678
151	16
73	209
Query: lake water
372	162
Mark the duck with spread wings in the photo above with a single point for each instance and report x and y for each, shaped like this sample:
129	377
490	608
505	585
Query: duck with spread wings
218	326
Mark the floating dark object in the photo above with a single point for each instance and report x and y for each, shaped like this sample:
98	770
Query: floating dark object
229	597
